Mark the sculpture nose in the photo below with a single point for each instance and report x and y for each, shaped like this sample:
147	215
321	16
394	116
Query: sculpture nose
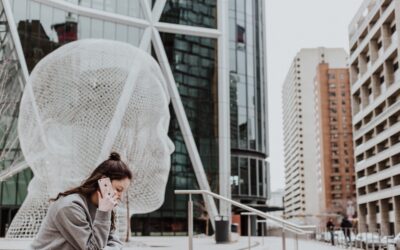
170	146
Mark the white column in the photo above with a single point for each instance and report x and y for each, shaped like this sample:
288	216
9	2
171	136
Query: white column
223	107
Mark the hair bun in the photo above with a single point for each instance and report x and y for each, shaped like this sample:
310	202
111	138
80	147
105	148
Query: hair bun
114	156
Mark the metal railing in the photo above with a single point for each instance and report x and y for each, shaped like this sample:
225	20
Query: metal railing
285	225
351	239
283	235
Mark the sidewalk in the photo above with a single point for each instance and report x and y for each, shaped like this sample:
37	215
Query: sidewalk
205	243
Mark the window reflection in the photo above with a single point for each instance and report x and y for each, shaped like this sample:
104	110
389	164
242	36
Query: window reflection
253	176
188	12
246	64
96	28
244	176
260	181
43	29
109	30
234	176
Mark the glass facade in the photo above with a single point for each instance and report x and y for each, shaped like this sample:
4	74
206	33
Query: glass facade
193	61
42	29
249	173
201	13
14	189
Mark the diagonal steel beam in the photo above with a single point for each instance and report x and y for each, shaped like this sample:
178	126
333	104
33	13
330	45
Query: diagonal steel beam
98	14
187	30
146	10
175	96
25	73
153	26
184	124
158	9
146	40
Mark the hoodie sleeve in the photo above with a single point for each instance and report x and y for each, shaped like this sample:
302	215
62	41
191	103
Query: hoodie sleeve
73	224
113	242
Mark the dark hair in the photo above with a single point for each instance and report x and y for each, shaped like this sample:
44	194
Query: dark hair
113	168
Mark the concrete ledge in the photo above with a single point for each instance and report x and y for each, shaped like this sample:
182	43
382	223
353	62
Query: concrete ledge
205	243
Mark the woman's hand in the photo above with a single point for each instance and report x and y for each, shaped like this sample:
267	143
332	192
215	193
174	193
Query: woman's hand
107	203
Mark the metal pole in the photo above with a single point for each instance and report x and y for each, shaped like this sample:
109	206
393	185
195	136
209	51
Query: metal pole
351	240
263	232
190	222
373	240
351	243
249	230
297	242
283	238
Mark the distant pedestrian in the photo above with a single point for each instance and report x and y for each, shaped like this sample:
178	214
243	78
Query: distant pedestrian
330	226
346	227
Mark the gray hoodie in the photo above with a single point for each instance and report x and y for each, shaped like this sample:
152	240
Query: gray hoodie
73	222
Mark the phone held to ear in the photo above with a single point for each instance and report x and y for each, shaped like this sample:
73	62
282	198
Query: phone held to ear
106	187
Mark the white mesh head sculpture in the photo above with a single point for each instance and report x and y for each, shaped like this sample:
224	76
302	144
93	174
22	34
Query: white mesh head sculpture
93	97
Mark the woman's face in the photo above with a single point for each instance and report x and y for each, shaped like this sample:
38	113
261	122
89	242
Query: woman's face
120	186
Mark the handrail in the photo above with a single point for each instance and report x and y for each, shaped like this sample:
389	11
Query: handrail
293	230
285	224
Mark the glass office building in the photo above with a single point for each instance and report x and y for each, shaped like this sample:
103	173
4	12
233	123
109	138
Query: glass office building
43	27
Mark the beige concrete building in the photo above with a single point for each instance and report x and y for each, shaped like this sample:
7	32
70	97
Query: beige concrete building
375	88
299	128
335	165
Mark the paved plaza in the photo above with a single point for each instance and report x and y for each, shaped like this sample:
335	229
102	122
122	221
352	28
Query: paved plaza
203	243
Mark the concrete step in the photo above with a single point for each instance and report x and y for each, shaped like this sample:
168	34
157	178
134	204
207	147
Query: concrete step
199	243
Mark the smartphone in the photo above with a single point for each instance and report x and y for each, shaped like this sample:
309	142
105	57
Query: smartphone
105	187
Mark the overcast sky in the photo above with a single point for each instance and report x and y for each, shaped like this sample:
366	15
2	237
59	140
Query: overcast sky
292	25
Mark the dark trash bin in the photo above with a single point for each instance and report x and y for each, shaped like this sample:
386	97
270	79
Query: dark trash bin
221	229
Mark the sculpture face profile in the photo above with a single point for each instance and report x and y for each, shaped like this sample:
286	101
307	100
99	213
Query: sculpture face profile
88	98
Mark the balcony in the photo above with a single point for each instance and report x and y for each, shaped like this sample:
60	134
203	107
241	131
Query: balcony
378	119
381	175
379	138
379	195
397	75
366	110
371	32
380	52
394	38
378	157
363	21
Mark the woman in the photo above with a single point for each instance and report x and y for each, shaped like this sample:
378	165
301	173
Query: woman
81	218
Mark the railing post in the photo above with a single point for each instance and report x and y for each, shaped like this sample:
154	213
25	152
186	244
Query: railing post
286	225
249	230
263	229
352	240
190	222
373	240
283	238
297	242
380	239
